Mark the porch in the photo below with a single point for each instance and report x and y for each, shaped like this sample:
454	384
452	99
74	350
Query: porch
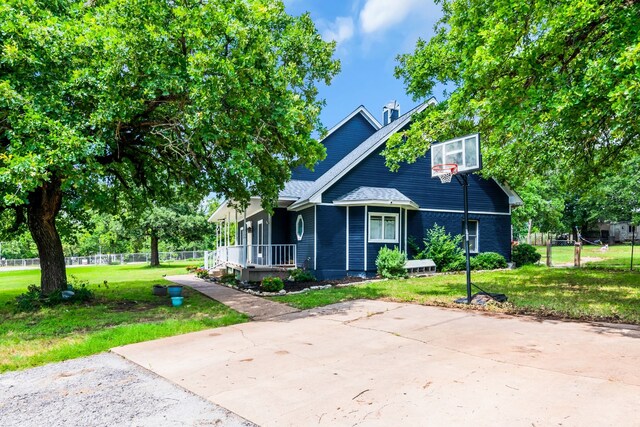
252	262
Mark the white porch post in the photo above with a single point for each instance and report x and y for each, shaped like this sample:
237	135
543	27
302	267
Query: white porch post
235	236
244	240
269	260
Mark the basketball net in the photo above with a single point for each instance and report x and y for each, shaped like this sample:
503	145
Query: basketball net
445	172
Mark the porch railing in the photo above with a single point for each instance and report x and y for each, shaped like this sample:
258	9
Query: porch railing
279	255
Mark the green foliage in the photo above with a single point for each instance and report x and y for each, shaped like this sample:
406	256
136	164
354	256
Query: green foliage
523	254
34	299
191	268
488	261
445	251
202	273
229	279
551	86
390	263
107	101
272	284
301	275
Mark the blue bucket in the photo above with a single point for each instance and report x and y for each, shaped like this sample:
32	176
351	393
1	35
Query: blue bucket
177	301
174	290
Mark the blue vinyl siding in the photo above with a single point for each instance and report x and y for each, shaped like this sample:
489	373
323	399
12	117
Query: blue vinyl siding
254	226
414	180
494	231
306	245
356	239
341	142
331	245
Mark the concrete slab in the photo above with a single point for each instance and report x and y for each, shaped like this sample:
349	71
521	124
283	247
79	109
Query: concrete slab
255	307
376	363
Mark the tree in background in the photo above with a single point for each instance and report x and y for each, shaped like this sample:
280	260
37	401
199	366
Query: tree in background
542	209
550	85
216	96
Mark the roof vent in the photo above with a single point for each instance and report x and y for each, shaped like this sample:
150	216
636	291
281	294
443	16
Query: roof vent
390	112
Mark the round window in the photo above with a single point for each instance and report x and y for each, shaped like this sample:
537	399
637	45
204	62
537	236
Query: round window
299	227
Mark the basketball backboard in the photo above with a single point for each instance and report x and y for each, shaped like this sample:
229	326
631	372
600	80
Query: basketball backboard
463	152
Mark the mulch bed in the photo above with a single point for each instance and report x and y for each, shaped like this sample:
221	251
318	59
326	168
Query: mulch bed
290	286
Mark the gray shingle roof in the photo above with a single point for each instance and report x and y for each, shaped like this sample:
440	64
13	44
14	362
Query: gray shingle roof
360	152
295	188
375	193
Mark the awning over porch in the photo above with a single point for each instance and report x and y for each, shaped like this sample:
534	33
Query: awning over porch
376	196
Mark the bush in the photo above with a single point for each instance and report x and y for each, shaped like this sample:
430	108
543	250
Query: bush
34	299
191	268
445	251
272	284
390	263
202	273
524	254
488	261
229	279
300	275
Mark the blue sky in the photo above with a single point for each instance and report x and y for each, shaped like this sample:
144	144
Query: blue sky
370	34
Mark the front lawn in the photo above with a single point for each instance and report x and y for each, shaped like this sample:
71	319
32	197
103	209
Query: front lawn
584	294
124	312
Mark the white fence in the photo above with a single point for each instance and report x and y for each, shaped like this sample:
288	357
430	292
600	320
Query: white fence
108	259
256	255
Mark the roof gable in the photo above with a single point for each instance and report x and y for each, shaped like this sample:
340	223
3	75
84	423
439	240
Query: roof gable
348	162
339	141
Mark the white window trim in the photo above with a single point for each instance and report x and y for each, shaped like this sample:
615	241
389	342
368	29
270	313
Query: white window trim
299	236
477	239
383	215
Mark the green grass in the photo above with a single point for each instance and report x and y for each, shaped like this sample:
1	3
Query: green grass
581	294
616	257
124	312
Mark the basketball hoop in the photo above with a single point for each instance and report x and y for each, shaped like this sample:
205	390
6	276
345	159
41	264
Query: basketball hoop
445	171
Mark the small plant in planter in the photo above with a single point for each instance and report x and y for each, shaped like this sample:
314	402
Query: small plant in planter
272	284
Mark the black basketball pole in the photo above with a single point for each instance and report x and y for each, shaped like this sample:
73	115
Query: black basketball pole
465	185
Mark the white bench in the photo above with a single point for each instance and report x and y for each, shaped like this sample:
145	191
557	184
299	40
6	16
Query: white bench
419	267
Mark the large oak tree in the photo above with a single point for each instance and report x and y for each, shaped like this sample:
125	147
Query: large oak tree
552	86
140	95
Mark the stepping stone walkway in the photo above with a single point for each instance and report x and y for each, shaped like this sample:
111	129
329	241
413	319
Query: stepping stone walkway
256	308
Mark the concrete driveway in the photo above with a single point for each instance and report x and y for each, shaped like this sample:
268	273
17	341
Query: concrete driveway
377	363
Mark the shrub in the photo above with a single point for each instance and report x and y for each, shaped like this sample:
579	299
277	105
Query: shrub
34	299
202	273
229	279
300	275
272	284
488	261
390	263
191	268
445	251
524	254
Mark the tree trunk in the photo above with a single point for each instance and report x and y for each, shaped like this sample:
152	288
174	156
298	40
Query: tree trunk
44	205
155	256
529	225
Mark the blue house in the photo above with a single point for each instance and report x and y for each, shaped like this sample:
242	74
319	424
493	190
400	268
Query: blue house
334	219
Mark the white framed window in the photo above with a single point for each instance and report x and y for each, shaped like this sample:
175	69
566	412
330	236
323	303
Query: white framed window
299	227
473	236
383	227
241	237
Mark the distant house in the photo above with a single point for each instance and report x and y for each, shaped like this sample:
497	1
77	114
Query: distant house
334	220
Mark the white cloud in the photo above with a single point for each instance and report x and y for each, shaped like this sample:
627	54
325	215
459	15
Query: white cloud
340	30
378	15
